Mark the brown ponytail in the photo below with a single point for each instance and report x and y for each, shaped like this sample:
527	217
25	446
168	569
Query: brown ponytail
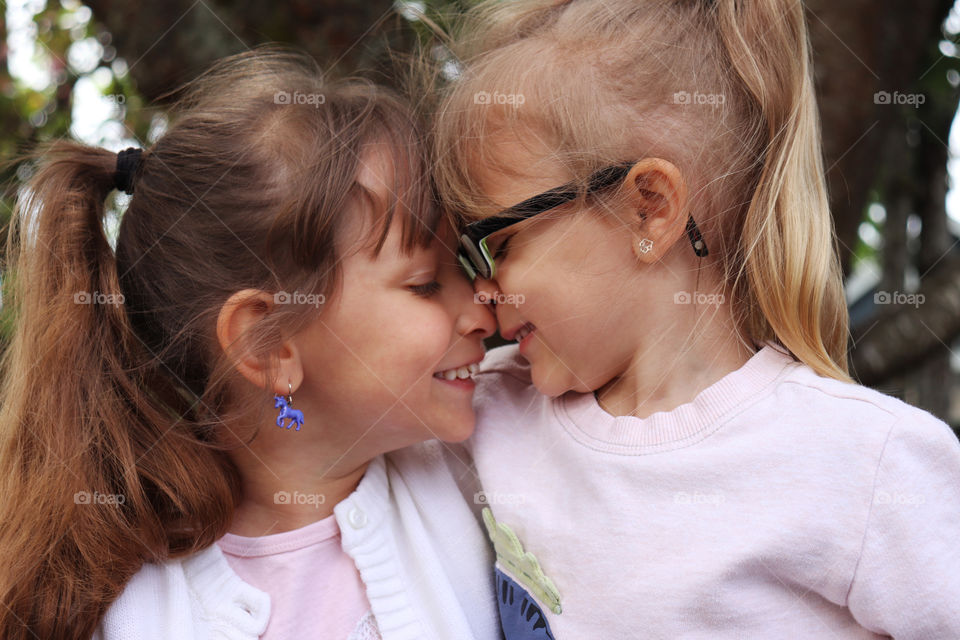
79	485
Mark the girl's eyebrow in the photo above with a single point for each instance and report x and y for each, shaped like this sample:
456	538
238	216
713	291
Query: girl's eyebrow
419	259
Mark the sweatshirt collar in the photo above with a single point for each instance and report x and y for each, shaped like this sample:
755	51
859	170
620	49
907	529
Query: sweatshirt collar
589	424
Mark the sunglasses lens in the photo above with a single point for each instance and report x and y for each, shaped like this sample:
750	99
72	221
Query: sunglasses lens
471	259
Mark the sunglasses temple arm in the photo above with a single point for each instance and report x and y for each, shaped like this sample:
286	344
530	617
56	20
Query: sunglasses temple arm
696	238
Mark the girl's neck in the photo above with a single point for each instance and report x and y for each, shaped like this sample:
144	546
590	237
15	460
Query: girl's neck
289	481
671	371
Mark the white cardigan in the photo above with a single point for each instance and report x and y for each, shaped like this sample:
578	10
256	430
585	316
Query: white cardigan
411	531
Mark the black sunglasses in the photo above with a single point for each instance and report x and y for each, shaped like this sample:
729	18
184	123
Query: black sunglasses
475	256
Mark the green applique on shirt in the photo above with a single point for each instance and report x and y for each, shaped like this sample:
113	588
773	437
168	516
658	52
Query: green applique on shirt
522	564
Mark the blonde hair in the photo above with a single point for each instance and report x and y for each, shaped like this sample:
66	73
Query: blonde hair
721	88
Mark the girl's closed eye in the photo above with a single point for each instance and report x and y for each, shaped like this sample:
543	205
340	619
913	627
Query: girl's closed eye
501	250
426	290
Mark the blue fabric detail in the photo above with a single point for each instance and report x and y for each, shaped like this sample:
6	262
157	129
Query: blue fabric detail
520	616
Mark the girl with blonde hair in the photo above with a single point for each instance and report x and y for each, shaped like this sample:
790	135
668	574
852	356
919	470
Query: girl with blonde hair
675	448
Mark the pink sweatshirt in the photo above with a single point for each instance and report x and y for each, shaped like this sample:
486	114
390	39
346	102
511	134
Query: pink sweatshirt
776	504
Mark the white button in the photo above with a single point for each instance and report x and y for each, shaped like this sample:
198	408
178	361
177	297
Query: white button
357	518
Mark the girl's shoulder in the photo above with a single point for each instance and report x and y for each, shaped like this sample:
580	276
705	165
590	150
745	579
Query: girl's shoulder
422	464
439	475
805	392
190	597
413	528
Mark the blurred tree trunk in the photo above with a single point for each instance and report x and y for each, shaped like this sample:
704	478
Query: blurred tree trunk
861	48
167	43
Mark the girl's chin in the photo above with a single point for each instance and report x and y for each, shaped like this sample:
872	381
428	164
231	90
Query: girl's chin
457	428
550	384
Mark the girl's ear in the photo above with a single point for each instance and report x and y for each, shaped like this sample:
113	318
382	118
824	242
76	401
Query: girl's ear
656	196
237	316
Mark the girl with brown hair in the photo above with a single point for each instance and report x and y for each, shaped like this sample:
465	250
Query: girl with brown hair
281	251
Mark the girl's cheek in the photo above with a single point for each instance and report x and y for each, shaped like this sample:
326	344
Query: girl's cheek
521	266
433	331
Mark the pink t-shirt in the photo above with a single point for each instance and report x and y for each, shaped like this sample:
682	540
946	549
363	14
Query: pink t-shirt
314	587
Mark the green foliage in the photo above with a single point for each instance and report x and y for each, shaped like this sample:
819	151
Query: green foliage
32	116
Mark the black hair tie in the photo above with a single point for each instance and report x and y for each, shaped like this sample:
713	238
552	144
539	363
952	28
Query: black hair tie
128	165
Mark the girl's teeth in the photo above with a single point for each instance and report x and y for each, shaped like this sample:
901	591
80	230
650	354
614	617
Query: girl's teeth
461	372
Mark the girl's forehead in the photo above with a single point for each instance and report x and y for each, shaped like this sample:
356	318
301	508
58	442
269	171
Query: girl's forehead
392	261
377	168
393	194
504	189
515	161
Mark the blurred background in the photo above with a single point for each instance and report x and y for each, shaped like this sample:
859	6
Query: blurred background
888	77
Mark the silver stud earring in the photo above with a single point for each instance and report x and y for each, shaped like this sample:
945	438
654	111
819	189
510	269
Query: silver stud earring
645	245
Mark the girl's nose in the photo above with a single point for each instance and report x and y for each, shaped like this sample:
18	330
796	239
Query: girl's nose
476	316
486	291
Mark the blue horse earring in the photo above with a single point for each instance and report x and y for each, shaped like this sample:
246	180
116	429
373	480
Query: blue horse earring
284	404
